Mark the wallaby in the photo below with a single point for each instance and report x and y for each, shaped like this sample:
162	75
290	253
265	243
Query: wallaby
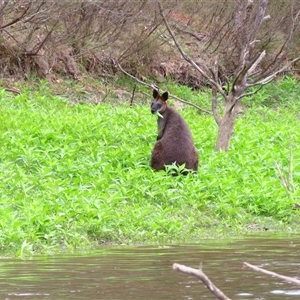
174	140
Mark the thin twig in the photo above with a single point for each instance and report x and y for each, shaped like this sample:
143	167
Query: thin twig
215	106
270	77
191	104
250	93
44	41
4	3
214	102
291	167
287	180
132	96
13	90
153	86
106	94
282	177
16	20
286	278
198	273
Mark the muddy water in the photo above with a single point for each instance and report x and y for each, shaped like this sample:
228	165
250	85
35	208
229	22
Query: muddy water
146	272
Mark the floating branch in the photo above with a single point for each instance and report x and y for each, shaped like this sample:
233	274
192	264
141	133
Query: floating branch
198	273
286	278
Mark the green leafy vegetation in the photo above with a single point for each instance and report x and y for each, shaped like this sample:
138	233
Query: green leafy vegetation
77	175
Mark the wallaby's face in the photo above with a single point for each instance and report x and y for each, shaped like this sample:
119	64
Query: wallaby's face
159	103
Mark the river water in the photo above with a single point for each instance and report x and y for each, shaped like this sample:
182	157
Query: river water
122	272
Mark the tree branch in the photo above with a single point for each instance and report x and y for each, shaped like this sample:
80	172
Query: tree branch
13	90
269	78
188	59
256	63
250	93
242	76
198	273
260	17
191	104
242	29
282	53
202	38
36	51
16	20
286	278
214	103
4	3
152	86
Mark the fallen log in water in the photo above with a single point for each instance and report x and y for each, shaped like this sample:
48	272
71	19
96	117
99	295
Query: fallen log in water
216	291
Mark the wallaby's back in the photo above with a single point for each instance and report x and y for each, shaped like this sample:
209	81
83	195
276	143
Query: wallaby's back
174	141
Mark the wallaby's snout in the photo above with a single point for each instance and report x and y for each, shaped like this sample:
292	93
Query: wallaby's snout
155	106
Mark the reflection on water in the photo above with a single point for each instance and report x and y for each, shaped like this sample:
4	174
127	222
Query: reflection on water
146	272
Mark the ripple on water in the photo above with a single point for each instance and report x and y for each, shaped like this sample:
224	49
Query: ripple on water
146	272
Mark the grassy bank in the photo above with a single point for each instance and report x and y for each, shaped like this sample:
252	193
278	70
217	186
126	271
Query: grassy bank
76	175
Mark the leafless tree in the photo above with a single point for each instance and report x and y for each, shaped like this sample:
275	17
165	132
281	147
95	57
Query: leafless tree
243	45
52	36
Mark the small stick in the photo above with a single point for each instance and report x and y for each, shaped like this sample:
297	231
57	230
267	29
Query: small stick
132	96
286	278
198	273
13	90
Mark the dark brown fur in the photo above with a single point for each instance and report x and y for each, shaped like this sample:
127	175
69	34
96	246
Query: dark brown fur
174	141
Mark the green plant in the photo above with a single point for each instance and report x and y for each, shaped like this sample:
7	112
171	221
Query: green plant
286	177
76	175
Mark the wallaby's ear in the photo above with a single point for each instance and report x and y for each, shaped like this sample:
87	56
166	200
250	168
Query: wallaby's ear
155	94
165	96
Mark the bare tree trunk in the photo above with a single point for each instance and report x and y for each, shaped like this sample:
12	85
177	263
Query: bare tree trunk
226	126
225	132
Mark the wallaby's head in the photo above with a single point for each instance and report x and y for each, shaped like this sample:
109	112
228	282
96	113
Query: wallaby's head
159	103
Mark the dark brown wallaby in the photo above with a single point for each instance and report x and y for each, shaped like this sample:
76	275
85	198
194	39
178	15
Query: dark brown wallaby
174	141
